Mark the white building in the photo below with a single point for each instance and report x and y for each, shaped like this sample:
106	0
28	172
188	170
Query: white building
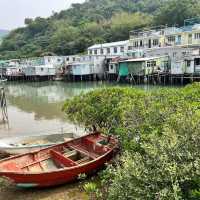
40	70
112	49
88	65
183	60
54	60
44	66
156	37
14	71
13	68
72	58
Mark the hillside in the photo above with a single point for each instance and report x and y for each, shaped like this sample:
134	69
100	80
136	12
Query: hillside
72	31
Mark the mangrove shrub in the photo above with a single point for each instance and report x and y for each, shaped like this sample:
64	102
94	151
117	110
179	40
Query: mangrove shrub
160	136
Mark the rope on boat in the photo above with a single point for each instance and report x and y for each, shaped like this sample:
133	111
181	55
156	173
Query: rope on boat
3	104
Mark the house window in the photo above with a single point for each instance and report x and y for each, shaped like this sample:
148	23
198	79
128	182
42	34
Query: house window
171	39
108	50
188	62
102	51
73	59
153	63
148	64
166	65
115	49
111	67
174	54
136	44
130	47
197	61
42	69
162	32
121	49
90	52
95	51
67	59
184	53
141	43
179	39
155	42
197	36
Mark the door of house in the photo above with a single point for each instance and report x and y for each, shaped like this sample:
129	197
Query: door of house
197	65
190	39
179	40
123	69
149	43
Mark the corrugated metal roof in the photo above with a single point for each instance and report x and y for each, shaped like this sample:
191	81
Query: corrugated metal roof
143	59
111	44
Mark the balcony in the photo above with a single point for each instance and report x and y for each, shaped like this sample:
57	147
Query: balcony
155	32
148	32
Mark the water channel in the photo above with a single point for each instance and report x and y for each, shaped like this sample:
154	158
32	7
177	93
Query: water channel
35	108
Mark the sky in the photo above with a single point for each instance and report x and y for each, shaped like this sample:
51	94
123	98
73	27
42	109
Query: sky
13	12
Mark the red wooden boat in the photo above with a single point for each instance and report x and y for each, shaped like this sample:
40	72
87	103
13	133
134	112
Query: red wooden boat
61	163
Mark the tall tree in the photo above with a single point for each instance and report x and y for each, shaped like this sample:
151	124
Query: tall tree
176	11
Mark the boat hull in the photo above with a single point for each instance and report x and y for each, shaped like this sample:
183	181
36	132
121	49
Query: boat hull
83	155
57	177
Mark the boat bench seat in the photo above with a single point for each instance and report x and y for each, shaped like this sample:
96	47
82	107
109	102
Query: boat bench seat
80	149
70	153
83	160
62	160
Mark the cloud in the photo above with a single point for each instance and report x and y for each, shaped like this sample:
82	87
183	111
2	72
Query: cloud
13	12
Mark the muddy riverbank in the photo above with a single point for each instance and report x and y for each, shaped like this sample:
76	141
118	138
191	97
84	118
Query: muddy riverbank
65	192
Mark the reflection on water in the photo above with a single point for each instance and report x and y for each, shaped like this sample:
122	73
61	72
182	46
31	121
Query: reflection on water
35	108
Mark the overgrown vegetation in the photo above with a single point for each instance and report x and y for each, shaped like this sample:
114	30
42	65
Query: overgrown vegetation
160	136
95	21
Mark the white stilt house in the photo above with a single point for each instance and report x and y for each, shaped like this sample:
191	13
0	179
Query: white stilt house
112	49
88	65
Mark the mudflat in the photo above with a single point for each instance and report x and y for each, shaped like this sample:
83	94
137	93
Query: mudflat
64	192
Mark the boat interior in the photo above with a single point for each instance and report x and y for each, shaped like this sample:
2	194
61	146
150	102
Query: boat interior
70	154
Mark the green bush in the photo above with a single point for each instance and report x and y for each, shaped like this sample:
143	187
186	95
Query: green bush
160	135
103	108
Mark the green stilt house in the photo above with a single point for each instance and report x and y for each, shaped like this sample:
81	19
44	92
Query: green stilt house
143	66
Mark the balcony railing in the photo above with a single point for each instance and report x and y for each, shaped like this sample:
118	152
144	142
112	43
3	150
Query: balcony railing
154	31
